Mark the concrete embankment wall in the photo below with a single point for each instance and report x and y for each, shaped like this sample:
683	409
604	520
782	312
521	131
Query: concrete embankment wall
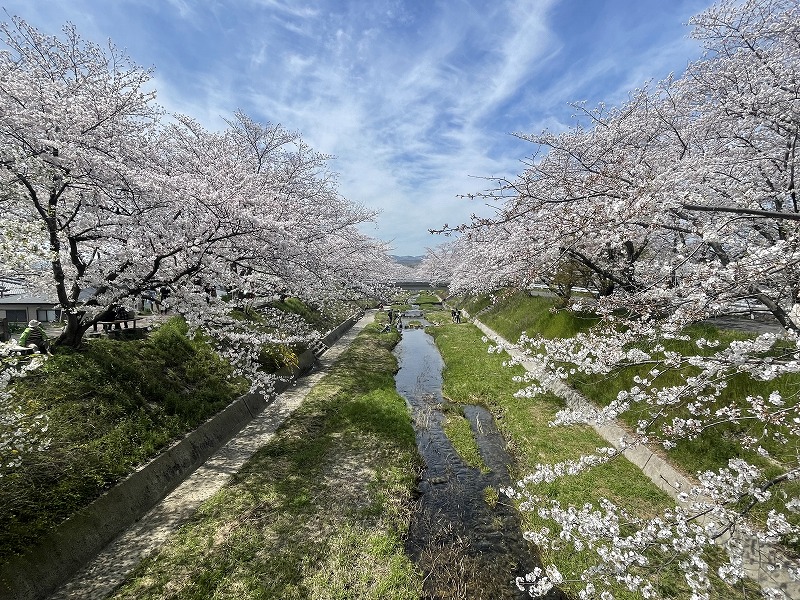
43	568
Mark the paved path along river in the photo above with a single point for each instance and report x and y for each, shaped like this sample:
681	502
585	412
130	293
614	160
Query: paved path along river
109	569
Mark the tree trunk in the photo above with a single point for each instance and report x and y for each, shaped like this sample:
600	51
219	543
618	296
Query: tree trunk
72	335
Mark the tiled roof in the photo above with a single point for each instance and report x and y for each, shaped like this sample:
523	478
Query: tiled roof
25	299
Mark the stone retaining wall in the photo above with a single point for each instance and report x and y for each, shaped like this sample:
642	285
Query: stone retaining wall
43	568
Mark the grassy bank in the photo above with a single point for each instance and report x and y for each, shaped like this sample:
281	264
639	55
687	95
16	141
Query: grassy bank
319	512
319	319
513	313
473	376
111	406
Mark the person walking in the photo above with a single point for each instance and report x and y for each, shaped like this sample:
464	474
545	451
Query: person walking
162	306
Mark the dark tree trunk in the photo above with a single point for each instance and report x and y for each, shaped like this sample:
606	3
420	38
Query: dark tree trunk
72	335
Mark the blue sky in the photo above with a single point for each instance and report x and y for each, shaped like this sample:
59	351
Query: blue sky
416	99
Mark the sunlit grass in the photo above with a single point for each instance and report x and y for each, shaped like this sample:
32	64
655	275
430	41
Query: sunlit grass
319	512
491	496
516	312
459	431
426	298
473	376
111	406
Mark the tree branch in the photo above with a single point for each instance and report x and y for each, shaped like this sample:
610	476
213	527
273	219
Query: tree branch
771	214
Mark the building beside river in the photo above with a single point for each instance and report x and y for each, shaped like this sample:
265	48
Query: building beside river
18	305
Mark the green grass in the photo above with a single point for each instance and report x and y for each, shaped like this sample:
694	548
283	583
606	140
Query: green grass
714	447
318	318
473	376
319	512
459	431
111	406
516	312
282	359
491	496
426	298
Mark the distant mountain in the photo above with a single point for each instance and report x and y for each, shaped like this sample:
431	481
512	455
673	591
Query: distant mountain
409	261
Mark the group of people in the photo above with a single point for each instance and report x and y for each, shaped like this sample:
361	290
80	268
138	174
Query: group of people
395	318
157	301
34	336
115	312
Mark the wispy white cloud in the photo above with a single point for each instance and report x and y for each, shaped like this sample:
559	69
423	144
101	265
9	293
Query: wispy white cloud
527	41
295	9
182	7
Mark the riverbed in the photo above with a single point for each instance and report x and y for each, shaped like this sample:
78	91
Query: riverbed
465	538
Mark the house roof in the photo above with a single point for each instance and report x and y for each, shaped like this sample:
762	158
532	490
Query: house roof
14	291
25	299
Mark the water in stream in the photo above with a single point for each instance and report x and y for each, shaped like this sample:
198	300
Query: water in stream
465	547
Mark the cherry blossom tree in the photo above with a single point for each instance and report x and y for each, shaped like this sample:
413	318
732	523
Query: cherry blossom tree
75	118
676	206
281	229
105	198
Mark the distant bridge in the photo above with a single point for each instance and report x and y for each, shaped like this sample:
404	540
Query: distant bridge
421	286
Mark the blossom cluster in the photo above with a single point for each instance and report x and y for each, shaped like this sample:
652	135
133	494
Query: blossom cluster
676	207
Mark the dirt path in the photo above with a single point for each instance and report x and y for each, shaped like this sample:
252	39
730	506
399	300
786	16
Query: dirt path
109	569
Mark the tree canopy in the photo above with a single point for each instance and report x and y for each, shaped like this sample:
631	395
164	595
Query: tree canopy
105	197
676	206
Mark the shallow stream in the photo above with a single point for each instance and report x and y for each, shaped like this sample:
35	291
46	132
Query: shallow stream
466	547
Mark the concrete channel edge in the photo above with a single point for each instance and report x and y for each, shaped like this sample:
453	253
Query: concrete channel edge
51	562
